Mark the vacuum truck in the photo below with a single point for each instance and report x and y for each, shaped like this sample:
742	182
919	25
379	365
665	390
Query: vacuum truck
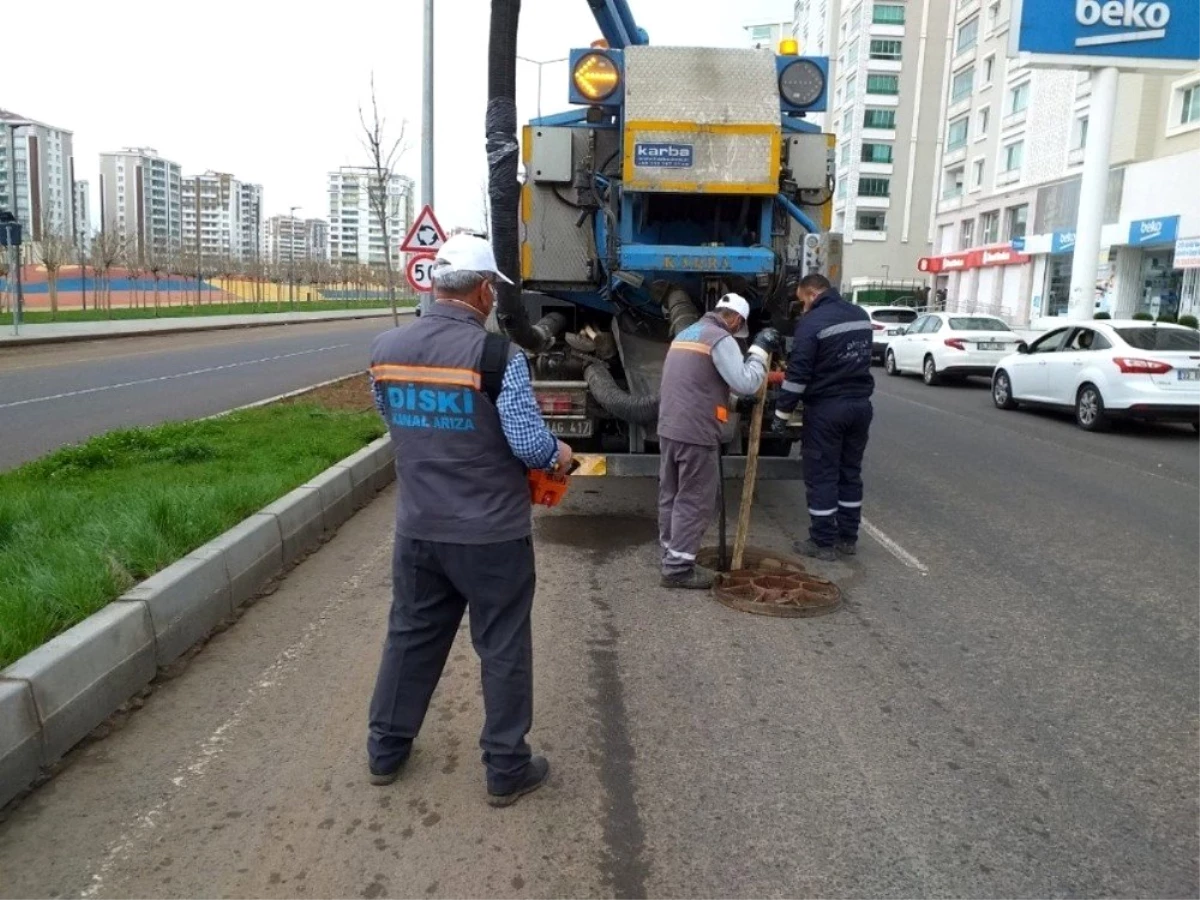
681	174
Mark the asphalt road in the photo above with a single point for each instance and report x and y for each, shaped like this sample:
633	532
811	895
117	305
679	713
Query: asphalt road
56	394
1006	706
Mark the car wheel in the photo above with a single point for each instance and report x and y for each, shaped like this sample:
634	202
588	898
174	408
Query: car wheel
1089	409
1002	391
889	364
929	372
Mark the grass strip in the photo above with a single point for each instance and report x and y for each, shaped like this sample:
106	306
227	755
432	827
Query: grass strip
87	522
44	317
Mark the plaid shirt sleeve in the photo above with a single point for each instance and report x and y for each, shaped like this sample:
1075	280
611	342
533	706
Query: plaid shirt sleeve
526	433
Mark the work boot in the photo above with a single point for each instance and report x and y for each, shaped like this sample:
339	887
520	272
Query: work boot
694	579
811	549
846	548
382	777
535	776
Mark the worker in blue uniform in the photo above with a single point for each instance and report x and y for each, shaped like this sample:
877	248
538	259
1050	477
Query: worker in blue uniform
829	372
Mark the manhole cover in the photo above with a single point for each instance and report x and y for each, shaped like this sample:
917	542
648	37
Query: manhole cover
770	584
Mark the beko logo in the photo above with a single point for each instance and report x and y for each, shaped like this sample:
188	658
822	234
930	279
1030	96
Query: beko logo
1142	21
1151	228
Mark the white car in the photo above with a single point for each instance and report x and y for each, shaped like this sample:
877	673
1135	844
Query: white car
886	323
951	345
1105	370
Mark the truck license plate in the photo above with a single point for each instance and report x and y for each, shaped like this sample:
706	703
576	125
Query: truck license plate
570	427
1189	374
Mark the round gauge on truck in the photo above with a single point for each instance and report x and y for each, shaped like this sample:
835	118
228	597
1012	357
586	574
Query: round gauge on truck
802	83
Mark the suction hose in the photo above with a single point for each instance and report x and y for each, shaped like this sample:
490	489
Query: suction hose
621	403
680	310
503	188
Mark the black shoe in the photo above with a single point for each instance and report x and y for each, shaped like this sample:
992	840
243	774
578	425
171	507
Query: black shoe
847	548
536	774
381	777
695	579
809	548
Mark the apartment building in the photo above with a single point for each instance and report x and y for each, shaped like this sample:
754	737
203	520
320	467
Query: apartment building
221	217
37	171
766	34
1009	179
354	232
887	61
289	238
141	199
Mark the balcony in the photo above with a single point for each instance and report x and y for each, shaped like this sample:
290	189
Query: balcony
886	31
950	202
955	153
877	236
965	58
1075	157
1009	177
876	168
885	66
878	134
1014	120
862	202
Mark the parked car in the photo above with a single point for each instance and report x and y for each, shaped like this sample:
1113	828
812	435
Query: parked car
950	345
887	322
1106	370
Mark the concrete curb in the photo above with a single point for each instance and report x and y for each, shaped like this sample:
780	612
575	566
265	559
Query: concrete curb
152	332
54	696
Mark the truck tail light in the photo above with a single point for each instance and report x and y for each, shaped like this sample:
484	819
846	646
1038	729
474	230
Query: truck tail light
1134	366
561	403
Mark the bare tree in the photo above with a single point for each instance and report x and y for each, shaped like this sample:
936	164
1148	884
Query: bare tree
385	153
131	259
156	263
108	247
54	252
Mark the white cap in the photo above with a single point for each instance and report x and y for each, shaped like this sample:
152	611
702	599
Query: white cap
468	253
738	304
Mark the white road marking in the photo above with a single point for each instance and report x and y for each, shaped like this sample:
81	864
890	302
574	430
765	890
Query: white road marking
141	381
895	549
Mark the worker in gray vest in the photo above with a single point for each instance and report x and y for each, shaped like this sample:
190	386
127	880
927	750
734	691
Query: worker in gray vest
704	364
466	431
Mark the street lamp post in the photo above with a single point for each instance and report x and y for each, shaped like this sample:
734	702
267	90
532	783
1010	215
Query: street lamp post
292	253
539	64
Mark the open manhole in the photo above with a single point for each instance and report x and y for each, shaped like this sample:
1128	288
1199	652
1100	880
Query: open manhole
771	584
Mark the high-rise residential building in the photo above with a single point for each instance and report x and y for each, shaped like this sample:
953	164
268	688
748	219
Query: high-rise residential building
886	59
83	216
1009	178
289	238
141	199
228	214
766	34
37	170
354	232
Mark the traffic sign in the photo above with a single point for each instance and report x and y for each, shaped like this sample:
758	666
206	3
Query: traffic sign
420	272
425	236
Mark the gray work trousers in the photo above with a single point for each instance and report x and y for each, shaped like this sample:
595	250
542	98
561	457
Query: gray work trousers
432	583
687	500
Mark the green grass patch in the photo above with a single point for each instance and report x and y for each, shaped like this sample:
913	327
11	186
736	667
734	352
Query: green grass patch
43	317
82	525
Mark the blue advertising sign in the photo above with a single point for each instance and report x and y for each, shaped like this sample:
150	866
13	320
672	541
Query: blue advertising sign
1129	34
1018	244
1153	231
1062	242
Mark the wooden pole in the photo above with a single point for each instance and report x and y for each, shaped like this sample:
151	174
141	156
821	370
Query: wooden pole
743	526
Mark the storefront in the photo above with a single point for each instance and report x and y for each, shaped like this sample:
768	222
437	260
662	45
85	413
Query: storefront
992	280
1187	261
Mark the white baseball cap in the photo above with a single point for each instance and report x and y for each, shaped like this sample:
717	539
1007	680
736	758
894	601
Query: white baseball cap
468	253
738	304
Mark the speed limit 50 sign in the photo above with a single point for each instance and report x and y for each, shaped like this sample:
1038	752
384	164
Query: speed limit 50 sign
420	272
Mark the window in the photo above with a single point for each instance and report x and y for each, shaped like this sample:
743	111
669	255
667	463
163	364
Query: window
1190	109
962	85
876	153
968	36
883	84
977	173
848	121
871	221
885	49
993	16
851	88
1087	339
1018	98
874	187
990	227
845	154
989	70
1016	221
852	53
952	183
1049	343
968	234
977	323
888	14
879	118
1079	140
894	316
841	189
956	134
981	121
1150	338
1013	154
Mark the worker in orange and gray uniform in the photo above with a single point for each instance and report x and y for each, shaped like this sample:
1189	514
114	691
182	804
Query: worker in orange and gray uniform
704	364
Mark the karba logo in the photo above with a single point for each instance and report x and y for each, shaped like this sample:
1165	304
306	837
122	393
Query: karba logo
1143	21
671	156
1151	228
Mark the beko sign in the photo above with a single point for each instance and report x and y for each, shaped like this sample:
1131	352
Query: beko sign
1128	34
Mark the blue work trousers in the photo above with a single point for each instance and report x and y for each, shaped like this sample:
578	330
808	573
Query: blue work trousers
833	442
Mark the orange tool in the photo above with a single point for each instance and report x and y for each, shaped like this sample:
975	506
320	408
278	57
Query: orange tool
548	488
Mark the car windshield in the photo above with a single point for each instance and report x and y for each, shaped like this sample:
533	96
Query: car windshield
894	316
977	323
1151	338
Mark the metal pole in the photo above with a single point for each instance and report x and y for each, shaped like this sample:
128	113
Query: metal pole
426	130
14	265
1093	190
20	298
292	254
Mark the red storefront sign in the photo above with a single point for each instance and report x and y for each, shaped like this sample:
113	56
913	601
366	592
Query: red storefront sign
972	259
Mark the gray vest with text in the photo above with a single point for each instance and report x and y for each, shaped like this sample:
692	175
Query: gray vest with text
693	405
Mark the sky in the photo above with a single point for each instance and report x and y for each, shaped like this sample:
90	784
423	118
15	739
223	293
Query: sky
270	93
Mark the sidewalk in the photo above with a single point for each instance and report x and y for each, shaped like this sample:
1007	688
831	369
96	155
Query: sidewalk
91	331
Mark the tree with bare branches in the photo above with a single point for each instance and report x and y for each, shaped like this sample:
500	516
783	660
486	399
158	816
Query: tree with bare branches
384	153
53	252
108	247
156	264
